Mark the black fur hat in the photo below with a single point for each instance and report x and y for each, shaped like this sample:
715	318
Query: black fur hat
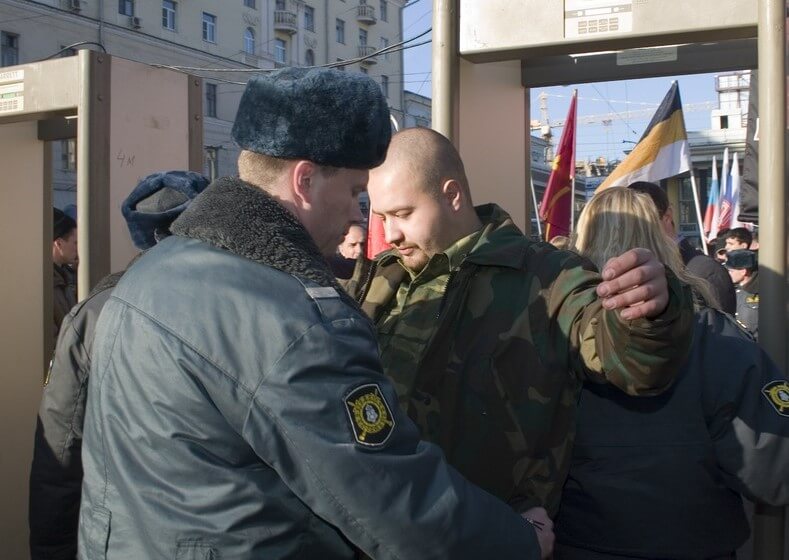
322	115
742	258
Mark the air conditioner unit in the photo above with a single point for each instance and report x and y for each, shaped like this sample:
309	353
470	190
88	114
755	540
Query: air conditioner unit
74	5
134	22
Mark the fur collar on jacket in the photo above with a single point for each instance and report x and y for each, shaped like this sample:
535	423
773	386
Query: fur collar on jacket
241	218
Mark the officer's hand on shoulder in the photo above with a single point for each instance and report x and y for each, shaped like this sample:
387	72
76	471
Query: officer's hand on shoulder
634	282
543	526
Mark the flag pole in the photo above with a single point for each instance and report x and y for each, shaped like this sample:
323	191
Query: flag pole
534	200
698	210
572	201
572	168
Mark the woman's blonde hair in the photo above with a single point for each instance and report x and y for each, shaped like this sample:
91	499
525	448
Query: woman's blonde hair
619	219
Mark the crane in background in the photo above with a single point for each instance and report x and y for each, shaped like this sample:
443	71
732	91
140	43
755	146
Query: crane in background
545	124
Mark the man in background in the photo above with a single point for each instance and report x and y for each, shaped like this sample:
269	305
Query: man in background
65	258
744	271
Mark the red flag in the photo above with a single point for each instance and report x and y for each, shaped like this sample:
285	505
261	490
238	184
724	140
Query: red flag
556	210
376	242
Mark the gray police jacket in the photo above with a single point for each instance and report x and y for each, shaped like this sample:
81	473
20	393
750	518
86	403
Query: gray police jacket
237	409
56	471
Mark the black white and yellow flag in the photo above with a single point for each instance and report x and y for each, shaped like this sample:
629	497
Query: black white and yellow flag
663	150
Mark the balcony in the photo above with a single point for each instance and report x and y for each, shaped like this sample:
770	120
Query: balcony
366	14
286	22
367	50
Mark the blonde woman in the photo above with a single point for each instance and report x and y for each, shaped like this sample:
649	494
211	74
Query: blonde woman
662	477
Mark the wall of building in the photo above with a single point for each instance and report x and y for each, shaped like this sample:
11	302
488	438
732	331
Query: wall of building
42	28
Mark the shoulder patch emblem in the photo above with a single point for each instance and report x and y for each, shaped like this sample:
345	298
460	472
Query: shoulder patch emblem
370	415
777	392
752	299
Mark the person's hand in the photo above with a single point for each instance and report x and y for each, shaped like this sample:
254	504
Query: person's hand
543	526
634	282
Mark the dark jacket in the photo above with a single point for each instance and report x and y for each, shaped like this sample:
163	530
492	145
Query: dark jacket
712	271
56	472
237	409
661	477
64	295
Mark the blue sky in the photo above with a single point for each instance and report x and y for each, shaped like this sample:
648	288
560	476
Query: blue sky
593	139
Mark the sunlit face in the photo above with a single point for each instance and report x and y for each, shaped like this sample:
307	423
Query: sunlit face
416	224
353	244
334	205
64	249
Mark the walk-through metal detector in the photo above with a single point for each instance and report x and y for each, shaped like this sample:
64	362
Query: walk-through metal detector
129	120
486	56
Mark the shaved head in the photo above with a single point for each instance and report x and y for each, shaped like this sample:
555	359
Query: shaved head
421	193
429	157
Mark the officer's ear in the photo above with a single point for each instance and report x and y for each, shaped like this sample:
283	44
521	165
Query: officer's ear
302	183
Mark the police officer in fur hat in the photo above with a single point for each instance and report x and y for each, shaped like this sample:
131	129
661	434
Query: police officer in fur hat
743	269
56	472
238	408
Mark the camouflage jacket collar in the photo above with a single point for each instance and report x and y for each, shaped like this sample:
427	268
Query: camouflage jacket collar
500	244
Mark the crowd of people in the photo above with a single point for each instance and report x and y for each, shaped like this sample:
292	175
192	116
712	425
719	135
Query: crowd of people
252	386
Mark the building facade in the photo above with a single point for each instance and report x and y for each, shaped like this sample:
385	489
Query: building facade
418	110
207	38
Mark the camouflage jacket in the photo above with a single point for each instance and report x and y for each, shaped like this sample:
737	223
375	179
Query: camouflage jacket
519	329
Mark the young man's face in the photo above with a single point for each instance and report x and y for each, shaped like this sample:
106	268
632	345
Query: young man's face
64	249
733	243
416	223
334	205
353	244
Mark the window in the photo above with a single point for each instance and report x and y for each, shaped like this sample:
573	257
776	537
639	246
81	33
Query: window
168	14
9	45
309	58
384	11
249	41
728	100
340	31
280	51
385	85
280	5
68	154
362	37
340	68
210	100
249	4
209	28
126	7
384	44
309	18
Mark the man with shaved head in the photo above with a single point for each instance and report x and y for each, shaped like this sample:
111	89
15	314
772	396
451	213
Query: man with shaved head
488	335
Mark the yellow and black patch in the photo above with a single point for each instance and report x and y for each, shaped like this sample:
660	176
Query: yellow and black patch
754	299
777	392
370	415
